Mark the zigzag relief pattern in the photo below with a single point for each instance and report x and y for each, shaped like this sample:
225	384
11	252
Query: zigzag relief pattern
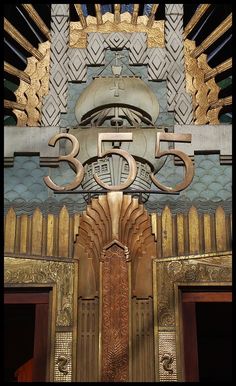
178	100
56	101
156	63
134	231
77	64
96	49
138	48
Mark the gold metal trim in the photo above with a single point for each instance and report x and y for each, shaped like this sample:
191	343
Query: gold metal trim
193	270
16	35
61	277
13	105
135	14
98	13
152	15
82	18
117	13
37	19
224	66
216	34
195	18
15	71
222	102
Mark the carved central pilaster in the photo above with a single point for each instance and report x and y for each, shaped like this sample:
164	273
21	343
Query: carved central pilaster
115	314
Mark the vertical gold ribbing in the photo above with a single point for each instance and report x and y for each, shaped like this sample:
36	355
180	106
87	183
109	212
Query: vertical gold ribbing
50	235
224	66
180	234
117	13
16	35
167	238
98	13
193	224
37	19
216	34
82	18
63	232
10	230
135	14
37	232
152	15
220	229
207	233
18	73
195	18
23	233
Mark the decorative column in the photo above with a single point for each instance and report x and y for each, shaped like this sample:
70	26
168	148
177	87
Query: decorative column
178	100
55	102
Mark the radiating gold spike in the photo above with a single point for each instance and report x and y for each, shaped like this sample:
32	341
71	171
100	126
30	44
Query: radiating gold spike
180	234
117	13
13	105
98	13
18	73
224	66
37	19
16	35
216	34
82	18
222	102
135	14
50	235
195	18
152	15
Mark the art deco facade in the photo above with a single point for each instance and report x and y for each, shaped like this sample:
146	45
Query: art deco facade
117	186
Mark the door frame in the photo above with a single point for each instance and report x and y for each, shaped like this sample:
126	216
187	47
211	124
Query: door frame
41	300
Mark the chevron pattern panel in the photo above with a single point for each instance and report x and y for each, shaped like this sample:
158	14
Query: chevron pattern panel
178	100
138	48
56	101
156	63
77	64
96	49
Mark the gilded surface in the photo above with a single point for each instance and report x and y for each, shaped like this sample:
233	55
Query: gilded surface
31	95
115	316
204	93
155	33
201	268
206	269
63	357
28	271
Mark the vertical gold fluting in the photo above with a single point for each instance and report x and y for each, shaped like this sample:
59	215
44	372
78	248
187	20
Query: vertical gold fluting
216	34
224	66
195	18
117	13
135	14
81	15
18	73
37	19
98	13
152	15
16	35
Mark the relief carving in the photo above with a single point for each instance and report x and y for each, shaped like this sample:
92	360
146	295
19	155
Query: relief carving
62	362
26	271
167	360
115	315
